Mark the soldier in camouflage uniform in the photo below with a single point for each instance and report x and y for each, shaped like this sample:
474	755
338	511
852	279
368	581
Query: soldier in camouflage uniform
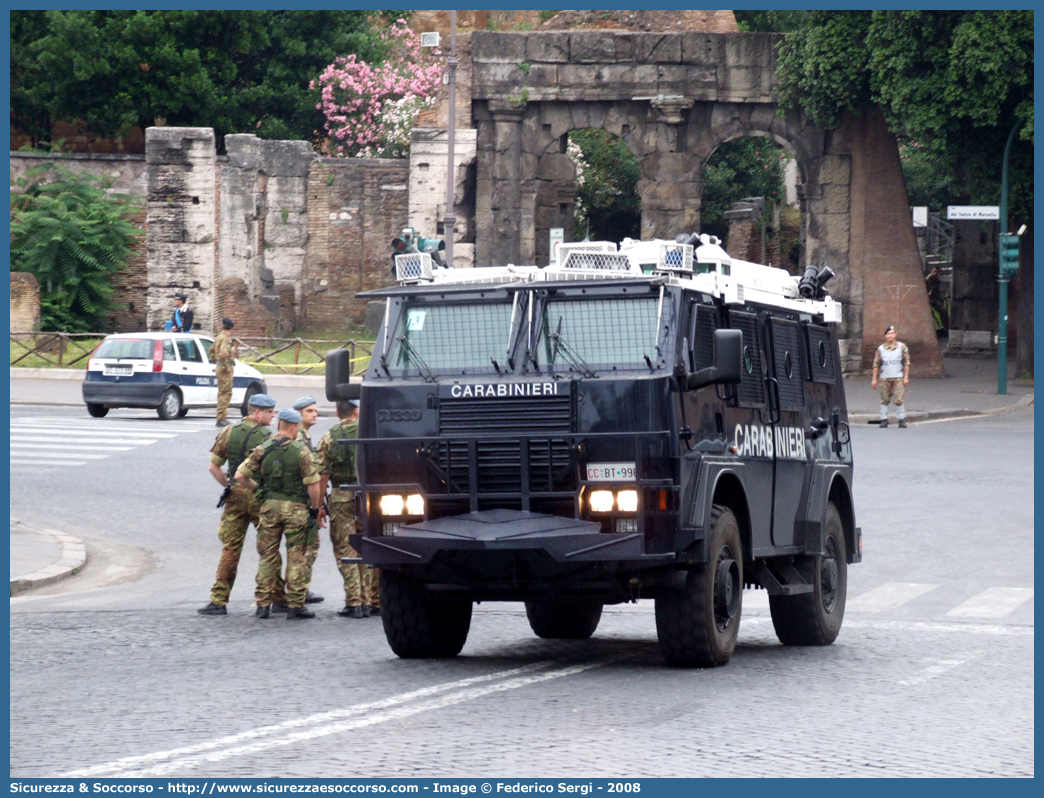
309	410
233	444
336	464
283	473
892	364
223	355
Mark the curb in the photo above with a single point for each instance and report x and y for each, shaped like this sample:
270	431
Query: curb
937	415
74	557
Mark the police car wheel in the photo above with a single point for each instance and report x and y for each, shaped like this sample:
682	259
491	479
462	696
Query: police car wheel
560	620
417	626
170	404
97	411
251	392
183	412
697	625
814	619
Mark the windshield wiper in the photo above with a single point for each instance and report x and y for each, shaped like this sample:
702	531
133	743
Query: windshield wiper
570	354
411	354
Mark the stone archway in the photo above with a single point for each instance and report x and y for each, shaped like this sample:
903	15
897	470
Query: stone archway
674	98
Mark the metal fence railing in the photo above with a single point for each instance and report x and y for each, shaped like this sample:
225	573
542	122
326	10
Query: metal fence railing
54	348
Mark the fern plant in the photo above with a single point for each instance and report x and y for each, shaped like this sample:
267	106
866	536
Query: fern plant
73	235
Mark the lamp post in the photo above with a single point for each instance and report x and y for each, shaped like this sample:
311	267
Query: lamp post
450	218
1004	273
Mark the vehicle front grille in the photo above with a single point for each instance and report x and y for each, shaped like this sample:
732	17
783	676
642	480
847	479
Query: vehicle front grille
500	462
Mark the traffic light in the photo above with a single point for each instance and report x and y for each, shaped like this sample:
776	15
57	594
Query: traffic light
433	246
1009	254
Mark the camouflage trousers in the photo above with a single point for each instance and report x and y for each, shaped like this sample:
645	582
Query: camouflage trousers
224	394
279	519
360	581
241	510
892	391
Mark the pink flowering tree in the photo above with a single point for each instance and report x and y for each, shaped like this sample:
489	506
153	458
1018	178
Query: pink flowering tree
369	108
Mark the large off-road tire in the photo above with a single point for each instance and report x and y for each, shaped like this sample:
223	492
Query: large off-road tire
98	411
564	620
418	626
814	619
697	625
170	404
252	390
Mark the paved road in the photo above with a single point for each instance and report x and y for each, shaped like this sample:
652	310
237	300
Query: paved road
112	672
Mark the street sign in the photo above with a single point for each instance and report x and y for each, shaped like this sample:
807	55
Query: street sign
557	237
978	212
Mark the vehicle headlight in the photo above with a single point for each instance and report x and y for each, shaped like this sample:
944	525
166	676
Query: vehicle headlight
601	501
627	501
391	504
415	504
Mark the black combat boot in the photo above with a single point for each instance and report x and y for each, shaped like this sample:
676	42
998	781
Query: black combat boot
884	424
279	606
213	609
375	611
263	611
902	423
313	598
293	613
346	612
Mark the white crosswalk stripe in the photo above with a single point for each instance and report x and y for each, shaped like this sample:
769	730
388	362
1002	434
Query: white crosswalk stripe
887	597
993	602
39	443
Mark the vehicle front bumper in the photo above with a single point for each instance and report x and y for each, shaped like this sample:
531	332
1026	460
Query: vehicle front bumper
564	540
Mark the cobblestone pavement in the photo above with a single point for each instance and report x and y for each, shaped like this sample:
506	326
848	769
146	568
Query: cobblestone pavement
900	698
932	674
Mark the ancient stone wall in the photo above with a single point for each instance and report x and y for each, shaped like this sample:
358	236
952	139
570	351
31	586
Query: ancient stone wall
355	207
181	222
887	279
674	98
25	303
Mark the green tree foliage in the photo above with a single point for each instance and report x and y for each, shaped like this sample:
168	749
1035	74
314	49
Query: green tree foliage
235	71
608	207
746	167
950	83
73	236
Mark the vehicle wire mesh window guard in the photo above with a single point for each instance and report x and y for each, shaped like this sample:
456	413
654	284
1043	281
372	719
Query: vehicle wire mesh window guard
751	391
788	364
605	332
452	337
820	354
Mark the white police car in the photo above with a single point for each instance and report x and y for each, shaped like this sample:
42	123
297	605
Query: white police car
168	371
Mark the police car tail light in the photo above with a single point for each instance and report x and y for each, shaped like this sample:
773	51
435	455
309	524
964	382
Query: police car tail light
627	501
601	501
415	504
392	504
157	355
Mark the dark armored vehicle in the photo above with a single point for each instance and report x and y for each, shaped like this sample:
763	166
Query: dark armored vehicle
655	421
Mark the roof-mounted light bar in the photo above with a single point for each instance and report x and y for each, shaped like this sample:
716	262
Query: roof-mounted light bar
413	267
562	250
597	262
674	258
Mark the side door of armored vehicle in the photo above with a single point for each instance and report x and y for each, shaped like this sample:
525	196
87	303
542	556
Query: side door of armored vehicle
748	425
789	416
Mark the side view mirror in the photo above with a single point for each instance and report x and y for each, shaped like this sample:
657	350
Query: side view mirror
338	376
728	362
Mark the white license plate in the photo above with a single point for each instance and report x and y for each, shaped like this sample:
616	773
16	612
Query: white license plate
611	472
119	371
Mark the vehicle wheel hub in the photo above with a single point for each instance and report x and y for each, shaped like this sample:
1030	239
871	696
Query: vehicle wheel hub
726	592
